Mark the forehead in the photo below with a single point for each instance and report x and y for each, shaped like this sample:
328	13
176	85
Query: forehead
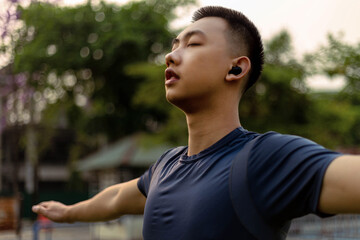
210	26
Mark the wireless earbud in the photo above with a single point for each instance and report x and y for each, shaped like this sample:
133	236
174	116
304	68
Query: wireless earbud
235	70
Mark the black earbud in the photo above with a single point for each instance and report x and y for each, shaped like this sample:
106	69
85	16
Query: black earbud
235	70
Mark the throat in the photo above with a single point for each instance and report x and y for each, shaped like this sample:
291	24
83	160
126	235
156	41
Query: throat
206	132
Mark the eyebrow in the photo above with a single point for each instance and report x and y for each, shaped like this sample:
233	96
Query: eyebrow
188	35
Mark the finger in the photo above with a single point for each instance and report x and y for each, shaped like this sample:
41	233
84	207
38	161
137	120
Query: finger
37	209
41	205
40	210
44	204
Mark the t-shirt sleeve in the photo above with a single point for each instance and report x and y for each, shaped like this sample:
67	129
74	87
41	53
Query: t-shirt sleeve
144	181
285	175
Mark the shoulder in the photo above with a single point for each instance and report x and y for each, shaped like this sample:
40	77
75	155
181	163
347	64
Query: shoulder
168	157
145	180
276	146
289	171
275	139
281	156
170	154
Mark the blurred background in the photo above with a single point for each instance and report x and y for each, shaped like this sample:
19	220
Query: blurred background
82	102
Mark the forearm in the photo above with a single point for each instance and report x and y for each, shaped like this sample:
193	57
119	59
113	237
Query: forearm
99	208
111	203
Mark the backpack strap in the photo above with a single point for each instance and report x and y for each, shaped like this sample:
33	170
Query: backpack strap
243	203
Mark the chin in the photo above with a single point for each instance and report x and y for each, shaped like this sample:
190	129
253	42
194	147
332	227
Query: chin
184	104
173	99
176	100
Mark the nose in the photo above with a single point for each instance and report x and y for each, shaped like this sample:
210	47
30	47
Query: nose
172	58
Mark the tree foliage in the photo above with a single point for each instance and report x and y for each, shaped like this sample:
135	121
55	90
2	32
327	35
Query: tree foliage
75	58
339	111
99	69
69	74
279	101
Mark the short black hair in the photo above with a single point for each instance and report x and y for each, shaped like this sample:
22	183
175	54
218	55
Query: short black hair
242	32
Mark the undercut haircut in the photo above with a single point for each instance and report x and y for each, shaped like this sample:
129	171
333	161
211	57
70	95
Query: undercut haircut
241	33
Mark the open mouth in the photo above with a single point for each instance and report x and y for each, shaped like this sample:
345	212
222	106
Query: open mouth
170	76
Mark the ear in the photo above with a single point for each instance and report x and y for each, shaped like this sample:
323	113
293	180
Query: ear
244	63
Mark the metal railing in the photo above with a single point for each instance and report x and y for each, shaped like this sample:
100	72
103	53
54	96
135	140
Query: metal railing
337	227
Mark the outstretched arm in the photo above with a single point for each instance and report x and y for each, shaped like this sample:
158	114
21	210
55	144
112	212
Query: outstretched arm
341	186
111	203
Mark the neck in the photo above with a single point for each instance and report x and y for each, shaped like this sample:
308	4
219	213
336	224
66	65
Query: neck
208	126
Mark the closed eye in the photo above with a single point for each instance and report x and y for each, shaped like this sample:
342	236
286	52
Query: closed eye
193	44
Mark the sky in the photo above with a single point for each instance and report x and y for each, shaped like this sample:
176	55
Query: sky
307	21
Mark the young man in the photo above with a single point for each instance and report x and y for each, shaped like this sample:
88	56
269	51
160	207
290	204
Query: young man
228	183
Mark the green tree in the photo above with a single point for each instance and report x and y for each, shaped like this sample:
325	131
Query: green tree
279	101
75	58
340	113
340	58
72	62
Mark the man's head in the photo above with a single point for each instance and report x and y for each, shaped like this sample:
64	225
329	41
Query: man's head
242	36
198	74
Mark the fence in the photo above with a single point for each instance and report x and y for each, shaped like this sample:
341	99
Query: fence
337	227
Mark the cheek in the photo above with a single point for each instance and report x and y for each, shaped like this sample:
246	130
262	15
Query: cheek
205	64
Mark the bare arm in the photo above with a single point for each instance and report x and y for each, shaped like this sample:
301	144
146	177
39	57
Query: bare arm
111	203
341	186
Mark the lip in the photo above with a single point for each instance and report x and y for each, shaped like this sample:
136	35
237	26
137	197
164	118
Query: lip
171	76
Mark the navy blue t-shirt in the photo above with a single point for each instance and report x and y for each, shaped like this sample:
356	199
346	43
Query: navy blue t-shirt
188	197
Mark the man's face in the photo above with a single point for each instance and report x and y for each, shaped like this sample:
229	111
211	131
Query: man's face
198	63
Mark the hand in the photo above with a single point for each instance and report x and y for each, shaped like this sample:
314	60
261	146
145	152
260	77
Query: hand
55	211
